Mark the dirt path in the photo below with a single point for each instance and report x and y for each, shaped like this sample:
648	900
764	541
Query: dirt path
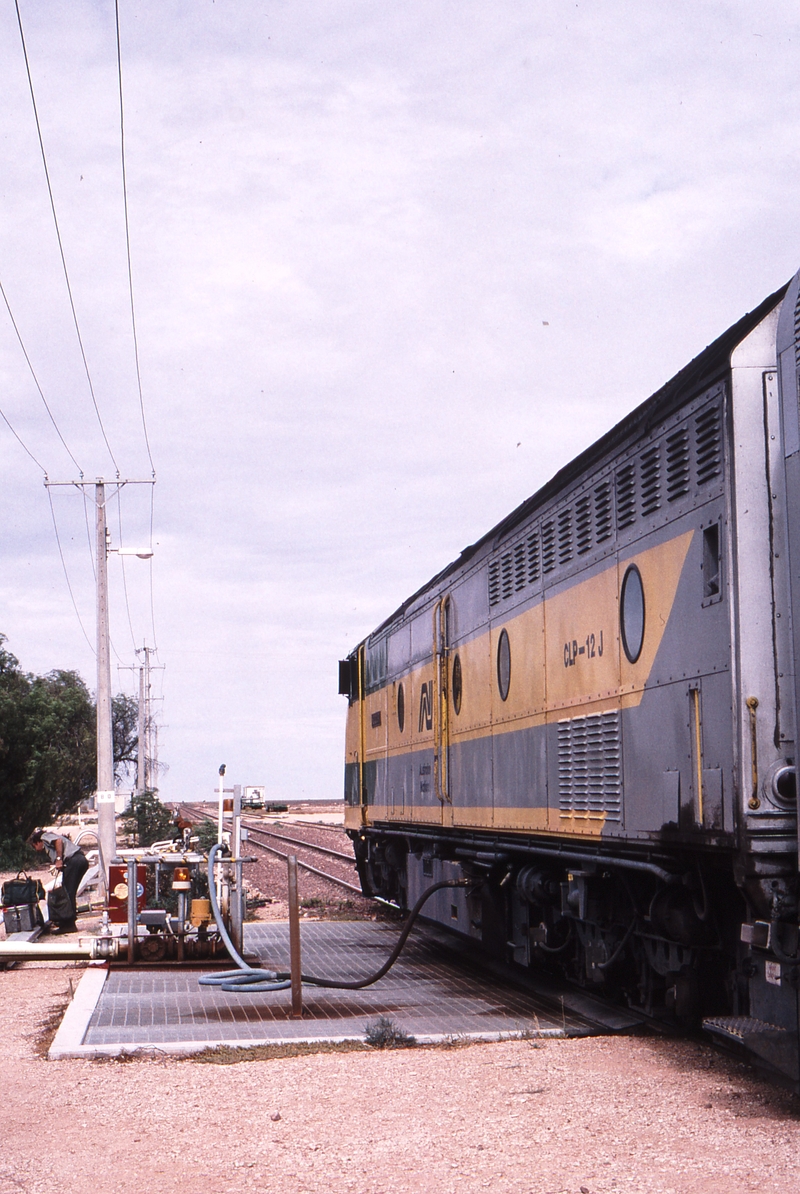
602	1115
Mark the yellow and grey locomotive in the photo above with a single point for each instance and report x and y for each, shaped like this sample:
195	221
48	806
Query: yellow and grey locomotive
592	711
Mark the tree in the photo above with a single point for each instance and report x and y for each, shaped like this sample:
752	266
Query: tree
124	725
149	820
48	744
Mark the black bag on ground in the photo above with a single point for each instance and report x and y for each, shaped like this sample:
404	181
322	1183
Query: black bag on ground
59	905
22	890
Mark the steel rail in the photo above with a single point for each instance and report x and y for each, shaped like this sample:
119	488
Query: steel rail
314	871
295	841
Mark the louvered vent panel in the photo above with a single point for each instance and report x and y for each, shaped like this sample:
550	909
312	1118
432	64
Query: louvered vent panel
534	563
494	582
708	444
797	331
650	479
565	535
548	547
626	496
677	464
590	767
602	512
583	524
506	575
520	579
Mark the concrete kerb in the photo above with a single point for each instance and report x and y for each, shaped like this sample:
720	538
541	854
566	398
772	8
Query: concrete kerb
73	1027
187	1048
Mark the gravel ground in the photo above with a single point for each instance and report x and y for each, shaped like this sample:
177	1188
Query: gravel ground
608	1114
591	1116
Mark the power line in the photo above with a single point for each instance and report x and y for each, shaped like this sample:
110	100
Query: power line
124	577
66	574
36	380
128	238
150	566
88	534
21	442
58	236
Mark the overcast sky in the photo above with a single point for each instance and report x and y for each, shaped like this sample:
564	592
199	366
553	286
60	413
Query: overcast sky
393	266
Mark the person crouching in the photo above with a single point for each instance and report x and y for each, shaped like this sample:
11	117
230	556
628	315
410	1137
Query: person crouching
67	858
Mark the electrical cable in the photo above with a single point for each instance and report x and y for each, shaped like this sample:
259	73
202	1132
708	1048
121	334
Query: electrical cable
58	237
124	576
128	239
150	566
66	574
21	442
88	533
248	980
36	381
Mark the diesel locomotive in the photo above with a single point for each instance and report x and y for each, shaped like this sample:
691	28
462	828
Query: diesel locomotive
591	715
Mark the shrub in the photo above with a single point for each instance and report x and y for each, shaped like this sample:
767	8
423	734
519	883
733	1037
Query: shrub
384	1033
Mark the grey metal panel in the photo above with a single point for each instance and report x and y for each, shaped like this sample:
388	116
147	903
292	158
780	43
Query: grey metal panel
519	769
471	773
399	651
761	585
657	760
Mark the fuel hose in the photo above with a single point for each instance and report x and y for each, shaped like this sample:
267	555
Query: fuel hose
250	980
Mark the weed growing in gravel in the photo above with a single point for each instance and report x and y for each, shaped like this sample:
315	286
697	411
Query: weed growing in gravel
384	1033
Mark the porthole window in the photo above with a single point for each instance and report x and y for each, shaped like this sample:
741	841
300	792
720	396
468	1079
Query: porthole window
503	665
631	614
457	682
401	708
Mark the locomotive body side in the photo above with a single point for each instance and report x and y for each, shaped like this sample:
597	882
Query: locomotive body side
591	715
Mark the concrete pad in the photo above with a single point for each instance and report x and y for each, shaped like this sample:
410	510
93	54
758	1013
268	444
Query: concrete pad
431	995
72	1029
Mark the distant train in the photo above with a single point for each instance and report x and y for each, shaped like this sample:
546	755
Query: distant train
592	712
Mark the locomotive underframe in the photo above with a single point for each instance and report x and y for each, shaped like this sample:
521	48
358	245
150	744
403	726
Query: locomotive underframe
660	931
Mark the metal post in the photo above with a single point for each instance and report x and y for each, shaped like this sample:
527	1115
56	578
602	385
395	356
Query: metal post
141	776
294	940
236	901
106	812
133	913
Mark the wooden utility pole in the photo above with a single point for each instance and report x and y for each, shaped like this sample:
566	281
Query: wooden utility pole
106	811
141	774
105	795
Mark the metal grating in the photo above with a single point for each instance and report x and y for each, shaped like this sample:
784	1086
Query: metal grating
602	511
548	546
708	444
520	579
506	575
534	567
650	476
565	535
677	464
583	524
494	582
626	496
590	767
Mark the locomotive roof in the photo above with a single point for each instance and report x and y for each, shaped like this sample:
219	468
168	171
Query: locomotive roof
707	367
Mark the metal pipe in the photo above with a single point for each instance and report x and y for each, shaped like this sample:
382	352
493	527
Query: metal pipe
133	884
52	951
532	852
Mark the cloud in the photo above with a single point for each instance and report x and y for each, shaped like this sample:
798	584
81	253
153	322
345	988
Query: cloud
349	227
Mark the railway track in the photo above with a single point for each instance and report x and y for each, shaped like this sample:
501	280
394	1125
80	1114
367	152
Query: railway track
307	866
255	832
296	841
